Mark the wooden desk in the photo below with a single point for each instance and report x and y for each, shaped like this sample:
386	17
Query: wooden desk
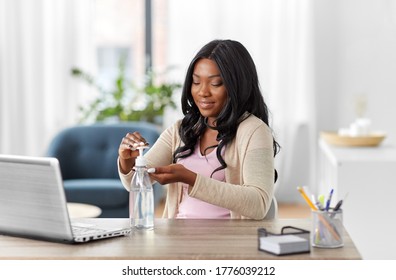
174	239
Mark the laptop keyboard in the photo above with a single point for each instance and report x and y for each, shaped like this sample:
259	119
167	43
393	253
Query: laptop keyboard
77	230
83	232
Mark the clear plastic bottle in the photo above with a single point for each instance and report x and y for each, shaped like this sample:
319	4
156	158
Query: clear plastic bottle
141	197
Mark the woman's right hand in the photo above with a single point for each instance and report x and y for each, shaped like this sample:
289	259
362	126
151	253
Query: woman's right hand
128	152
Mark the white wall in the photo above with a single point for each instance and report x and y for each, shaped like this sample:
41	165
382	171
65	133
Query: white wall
355	44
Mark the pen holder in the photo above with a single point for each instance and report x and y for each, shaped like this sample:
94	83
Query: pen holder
327	229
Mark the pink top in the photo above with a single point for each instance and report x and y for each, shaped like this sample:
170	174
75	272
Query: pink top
193	208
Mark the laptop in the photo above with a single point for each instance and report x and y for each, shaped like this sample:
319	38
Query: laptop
33	204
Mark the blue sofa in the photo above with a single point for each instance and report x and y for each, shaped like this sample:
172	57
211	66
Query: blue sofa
88	160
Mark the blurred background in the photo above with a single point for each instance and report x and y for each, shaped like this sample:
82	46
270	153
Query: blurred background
321	64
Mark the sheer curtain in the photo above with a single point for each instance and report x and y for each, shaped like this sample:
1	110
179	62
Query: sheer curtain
291	94
278	35
40	41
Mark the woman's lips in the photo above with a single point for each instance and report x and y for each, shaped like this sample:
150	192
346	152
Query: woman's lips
206	104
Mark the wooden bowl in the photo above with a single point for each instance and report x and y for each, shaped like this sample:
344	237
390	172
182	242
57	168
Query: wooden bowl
371	140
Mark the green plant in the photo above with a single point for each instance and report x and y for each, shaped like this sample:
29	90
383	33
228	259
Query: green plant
126	101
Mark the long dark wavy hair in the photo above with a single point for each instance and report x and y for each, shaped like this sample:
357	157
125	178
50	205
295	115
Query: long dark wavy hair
240	79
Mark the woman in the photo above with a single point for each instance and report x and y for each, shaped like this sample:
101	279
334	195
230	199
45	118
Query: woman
219	159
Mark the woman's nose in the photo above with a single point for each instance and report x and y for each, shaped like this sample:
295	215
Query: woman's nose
204	90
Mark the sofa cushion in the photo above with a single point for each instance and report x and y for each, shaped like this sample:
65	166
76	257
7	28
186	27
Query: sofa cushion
104	193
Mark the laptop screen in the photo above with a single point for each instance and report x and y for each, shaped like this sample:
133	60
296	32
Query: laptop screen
32	198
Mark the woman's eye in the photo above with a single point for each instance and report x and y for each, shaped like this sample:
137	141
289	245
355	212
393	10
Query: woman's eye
195	83
217	84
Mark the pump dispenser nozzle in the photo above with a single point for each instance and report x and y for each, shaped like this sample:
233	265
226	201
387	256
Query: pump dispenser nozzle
140	160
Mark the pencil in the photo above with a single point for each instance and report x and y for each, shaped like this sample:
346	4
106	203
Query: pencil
304	195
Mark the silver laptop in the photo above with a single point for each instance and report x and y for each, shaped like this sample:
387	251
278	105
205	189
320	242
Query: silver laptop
33	204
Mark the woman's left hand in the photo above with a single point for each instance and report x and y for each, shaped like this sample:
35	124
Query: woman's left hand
173	173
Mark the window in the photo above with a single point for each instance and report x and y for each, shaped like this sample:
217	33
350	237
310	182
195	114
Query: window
120	29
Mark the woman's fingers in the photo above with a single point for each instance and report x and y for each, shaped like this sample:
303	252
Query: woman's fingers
129	145
134	140
151	170
172	173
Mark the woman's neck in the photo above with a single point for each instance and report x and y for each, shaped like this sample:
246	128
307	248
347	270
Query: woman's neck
211	122
208	139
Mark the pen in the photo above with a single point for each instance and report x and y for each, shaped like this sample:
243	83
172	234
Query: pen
321	200
336	208
338	205
304	195
329	200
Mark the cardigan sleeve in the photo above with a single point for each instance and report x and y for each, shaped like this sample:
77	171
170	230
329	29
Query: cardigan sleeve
160	154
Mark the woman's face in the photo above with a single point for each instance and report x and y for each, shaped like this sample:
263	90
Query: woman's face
207	89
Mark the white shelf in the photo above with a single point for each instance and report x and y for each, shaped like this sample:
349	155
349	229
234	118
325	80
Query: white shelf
368	177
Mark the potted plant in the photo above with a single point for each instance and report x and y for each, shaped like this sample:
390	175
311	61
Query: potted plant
126	101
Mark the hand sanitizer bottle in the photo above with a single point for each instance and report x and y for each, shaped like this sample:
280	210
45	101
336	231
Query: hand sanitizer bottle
141	198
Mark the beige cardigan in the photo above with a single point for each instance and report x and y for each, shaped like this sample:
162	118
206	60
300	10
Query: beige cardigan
249	186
